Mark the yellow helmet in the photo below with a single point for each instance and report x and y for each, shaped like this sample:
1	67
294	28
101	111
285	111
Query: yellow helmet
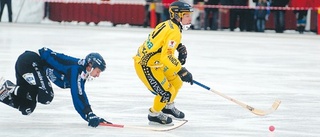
178	9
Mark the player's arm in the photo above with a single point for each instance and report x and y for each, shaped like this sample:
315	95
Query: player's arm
168	58
182	57
79	97
80	100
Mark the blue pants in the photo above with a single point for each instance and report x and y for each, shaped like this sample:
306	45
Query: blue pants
261	24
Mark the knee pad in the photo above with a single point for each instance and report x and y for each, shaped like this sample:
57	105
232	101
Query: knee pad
45	96
27	107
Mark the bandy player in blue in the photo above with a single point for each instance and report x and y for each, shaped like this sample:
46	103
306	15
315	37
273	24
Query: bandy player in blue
33	72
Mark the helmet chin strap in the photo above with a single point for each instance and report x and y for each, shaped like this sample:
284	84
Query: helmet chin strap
89	77
185	27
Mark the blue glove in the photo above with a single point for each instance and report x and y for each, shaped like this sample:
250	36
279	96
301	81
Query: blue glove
94	120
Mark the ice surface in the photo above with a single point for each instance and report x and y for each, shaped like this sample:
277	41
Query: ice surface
255	68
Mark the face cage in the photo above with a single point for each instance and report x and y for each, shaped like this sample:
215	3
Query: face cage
179	15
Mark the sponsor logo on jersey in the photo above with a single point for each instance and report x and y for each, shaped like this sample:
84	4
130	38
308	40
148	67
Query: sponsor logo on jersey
173	60
165	69
29	77
81	62
149	44
50	74
169	51
79	85
171	43
43	86
163	81
165	96
84	75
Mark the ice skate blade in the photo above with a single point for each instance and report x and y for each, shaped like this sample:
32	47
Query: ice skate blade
151	123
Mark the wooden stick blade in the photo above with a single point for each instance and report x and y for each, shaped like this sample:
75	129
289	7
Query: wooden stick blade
259	112
176	125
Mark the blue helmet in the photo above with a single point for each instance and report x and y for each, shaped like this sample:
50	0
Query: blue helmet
96	60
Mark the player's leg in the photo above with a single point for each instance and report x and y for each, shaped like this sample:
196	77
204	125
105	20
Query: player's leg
9	7
1	9
32	82
45	91
170	83
6	90
21	96
170	108
8	93
156	82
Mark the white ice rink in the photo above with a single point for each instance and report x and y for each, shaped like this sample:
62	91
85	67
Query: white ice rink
255	68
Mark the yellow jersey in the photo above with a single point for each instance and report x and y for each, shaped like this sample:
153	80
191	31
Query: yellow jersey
158	50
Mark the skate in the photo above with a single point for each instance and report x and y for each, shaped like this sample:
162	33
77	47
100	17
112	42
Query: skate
159	118
172	110
6	90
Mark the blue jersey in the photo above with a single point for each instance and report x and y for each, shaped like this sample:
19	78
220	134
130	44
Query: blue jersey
67	72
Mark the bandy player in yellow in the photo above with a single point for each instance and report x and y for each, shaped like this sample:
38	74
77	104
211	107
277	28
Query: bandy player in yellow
158	68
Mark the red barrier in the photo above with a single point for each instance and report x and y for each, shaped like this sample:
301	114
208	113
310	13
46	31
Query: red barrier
319	21
133	14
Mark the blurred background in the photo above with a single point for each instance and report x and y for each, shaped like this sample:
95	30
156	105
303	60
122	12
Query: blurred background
278	16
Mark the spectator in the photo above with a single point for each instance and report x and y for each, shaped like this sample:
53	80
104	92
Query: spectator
235	13
261	14
211	12
198	15
146	13
224	12
158	10
279	15
315	4
46	10
250	22
2	3
165	13
301	15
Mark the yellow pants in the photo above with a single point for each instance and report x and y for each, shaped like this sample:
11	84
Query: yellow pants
164	86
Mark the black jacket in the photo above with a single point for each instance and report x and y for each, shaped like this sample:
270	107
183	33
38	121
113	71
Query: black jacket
212	2
279	3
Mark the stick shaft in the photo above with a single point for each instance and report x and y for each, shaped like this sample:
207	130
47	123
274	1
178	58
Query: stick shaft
220	94
259	112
